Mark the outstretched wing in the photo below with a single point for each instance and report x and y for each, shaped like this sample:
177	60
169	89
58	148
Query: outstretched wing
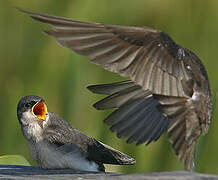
148	57
141	116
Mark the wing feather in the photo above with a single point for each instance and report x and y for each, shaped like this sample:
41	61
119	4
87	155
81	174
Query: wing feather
118	49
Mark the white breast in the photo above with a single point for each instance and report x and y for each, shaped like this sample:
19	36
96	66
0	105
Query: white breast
33	130
50	157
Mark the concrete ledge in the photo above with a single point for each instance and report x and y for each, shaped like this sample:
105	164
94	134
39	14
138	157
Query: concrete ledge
29	172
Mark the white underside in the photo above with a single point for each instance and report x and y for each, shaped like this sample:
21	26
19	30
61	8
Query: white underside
49	157
33	129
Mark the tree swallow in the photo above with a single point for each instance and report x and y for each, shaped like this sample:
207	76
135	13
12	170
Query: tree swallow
55	144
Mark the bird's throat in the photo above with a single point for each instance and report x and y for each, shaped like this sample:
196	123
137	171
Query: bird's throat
40	111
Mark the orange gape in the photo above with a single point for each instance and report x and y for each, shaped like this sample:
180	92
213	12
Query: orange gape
40	110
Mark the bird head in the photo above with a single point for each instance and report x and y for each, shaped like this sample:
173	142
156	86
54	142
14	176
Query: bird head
31	109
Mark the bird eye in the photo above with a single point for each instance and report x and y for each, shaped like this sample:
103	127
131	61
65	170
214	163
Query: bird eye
30	104
27	105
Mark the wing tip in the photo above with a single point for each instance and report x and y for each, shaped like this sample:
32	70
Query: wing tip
22	10
97	106
36	18
118	157
32	13
125	159
91	88
97	89
130	161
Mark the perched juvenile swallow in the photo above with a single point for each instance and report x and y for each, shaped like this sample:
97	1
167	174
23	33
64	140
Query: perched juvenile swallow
169	87
55	144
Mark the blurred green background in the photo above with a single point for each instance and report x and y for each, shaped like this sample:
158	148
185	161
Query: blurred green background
32	63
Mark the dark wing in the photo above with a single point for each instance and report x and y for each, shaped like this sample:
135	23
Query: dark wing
107	155
184	127
68	139
136	116
149	57
142	116
152	60
60	132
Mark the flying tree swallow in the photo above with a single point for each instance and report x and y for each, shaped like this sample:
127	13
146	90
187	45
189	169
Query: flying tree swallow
168	88
55	144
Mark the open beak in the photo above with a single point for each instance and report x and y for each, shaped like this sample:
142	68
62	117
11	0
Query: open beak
40	110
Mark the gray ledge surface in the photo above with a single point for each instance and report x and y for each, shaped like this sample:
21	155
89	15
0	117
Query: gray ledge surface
30	172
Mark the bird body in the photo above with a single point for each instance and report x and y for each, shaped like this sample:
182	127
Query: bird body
168	88
55	144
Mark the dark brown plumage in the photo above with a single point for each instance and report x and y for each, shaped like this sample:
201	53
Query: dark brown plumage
168	91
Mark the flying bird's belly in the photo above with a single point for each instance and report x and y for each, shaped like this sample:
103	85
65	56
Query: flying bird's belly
51	157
